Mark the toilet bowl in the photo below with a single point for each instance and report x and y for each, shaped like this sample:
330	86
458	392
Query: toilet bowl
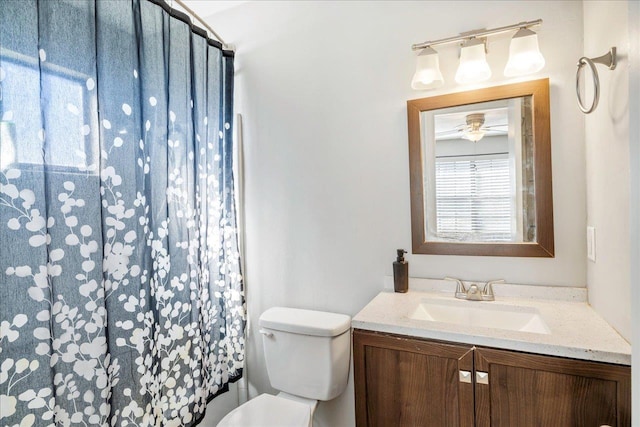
268	410
317	346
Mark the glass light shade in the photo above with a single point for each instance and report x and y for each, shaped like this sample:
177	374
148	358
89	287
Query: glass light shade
473	66
427	75
474	135
524	54
7	144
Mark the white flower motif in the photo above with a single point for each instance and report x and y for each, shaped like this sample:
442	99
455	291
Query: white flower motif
8	405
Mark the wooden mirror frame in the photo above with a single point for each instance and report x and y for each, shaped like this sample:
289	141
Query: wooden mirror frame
543	246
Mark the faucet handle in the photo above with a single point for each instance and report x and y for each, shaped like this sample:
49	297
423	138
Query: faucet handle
461	291
487	291
474	293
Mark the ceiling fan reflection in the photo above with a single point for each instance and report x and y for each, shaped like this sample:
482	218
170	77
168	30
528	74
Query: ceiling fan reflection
474	129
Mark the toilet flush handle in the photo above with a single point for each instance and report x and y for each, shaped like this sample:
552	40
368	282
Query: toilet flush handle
266	333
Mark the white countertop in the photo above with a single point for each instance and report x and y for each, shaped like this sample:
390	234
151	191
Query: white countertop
577	331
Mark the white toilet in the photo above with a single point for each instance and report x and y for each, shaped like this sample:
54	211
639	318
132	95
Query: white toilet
307	357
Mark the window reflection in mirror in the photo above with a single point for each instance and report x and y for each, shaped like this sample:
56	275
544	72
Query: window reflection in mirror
479	180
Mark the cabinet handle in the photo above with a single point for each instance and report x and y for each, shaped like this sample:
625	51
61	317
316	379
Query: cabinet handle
482	377
465	376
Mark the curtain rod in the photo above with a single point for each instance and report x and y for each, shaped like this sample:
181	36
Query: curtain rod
479	33
211	30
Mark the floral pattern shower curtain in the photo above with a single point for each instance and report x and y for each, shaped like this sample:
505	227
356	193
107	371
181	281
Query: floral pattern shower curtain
121	299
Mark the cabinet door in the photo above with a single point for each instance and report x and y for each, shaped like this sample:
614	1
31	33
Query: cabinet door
403	381
530	390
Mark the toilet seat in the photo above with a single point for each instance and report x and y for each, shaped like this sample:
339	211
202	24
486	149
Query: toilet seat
267	410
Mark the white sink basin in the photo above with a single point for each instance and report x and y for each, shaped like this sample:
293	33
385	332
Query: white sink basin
483	314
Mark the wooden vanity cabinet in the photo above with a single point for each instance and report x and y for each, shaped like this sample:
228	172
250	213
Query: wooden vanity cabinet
403	381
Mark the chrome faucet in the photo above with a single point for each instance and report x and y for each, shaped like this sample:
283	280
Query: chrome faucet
473	292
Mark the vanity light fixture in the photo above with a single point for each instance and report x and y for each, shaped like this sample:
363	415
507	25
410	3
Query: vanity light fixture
473	66
524	56
427	75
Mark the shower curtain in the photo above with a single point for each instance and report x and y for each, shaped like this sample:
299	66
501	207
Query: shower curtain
121	296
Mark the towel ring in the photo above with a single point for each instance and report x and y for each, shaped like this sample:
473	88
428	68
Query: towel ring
609	60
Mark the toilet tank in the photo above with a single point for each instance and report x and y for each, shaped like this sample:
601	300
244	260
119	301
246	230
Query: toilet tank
306	352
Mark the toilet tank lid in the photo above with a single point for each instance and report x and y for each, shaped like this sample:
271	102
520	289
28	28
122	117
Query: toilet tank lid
306	322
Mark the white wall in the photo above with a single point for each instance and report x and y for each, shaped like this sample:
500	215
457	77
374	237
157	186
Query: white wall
322	87
634	145
607	145
220	406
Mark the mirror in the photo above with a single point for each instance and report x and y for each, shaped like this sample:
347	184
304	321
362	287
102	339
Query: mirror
480	164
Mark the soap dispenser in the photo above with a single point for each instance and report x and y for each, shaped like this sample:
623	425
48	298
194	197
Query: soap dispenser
401	273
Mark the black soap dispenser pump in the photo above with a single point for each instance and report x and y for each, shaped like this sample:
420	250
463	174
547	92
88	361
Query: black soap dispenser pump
401	273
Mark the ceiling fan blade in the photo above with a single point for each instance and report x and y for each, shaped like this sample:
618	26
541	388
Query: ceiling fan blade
449	132
496	127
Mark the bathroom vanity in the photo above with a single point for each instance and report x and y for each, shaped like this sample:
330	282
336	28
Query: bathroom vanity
420	361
